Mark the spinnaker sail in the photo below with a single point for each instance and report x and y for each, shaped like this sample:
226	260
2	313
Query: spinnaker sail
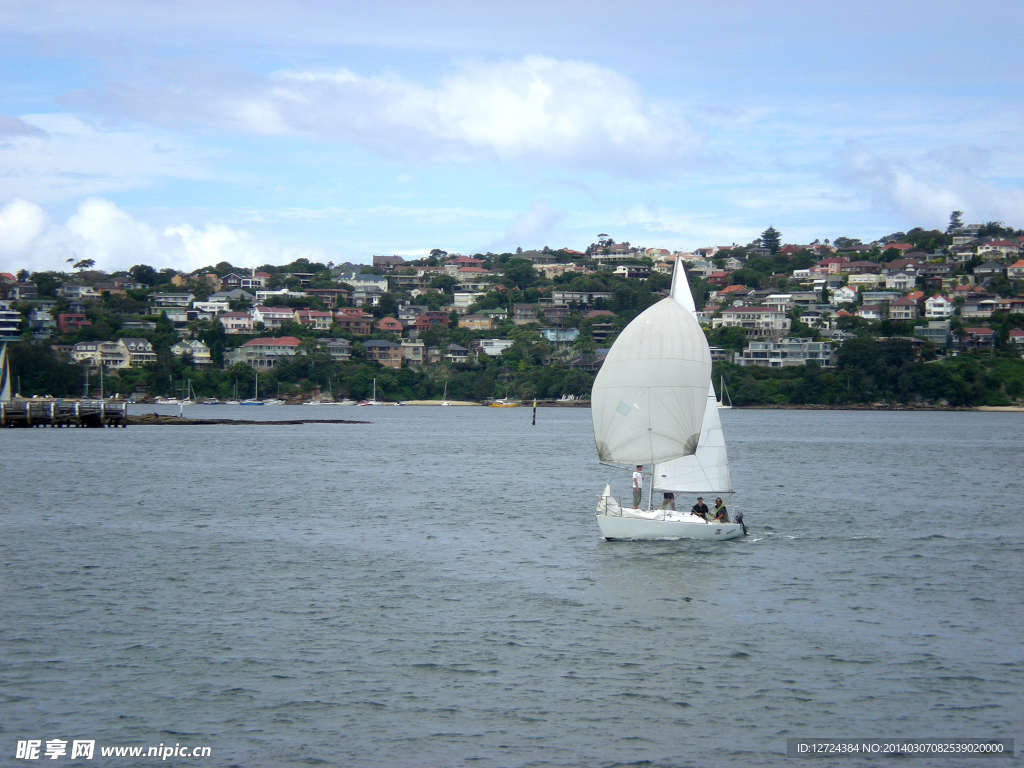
647	403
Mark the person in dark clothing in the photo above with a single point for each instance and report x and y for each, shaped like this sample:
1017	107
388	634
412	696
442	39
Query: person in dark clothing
700	509
721	513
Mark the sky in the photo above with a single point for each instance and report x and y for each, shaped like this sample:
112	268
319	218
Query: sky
180	134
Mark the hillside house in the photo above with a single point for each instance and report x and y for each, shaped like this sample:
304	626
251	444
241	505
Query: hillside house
756	322
387	353
903	309
938	307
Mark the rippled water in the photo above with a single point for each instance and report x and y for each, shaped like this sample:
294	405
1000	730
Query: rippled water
430	590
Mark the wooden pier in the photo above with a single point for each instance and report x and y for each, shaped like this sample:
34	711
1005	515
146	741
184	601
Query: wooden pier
49	412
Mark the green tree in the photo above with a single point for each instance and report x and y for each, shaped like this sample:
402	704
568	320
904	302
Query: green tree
956	220
143	273
771	239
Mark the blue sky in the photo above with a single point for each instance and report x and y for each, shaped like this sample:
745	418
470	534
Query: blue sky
185	133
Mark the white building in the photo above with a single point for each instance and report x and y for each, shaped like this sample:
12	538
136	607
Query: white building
901	281
494	347
213	307
938	307
844	295
786	352
868	281
756	322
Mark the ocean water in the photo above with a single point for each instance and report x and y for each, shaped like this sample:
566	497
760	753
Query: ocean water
429	589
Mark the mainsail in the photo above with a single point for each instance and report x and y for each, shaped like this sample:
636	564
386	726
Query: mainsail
647	403
708	469
5	376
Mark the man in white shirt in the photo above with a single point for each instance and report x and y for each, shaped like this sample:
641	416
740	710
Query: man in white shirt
638	485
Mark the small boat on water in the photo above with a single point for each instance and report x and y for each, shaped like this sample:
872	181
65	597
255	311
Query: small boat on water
373	400
653	404
255	399
444	397
724	401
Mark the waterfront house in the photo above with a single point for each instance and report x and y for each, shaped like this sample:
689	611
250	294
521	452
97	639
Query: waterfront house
264	353
1017	338
782	353
1016	270
428	320
339	349
413	353
200	353
872	312
387	353
456	353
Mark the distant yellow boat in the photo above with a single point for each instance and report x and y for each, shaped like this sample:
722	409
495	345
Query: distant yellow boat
503	403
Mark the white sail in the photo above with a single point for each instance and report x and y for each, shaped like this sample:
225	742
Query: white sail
647	403
708	469
5	376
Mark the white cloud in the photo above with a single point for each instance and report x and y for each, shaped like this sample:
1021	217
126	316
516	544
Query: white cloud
534	109
923	192
21	222
114	239
49	157
529	228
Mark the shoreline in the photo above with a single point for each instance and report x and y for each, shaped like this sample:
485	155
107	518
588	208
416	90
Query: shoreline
153	419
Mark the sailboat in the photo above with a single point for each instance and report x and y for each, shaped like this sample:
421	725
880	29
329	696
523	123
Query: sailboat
373	400
444	397
234	395
653	404
5	376
504	402
275	400
255	399
724	401
190	396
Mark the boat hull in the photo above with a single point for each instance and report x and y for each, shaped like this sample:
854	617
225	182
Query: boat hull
614	527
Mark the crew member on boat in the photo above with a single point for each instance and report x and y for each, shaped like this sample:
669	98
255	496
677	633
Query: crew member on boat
700	509
668	500
721	513
638	485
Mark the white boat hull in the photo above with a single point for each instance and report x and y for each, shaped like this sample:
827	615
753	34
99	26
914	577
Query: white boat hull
615	527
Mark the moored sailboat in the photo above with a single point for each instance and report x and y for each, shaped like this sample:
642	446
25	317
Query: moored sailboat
650	402
724	401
